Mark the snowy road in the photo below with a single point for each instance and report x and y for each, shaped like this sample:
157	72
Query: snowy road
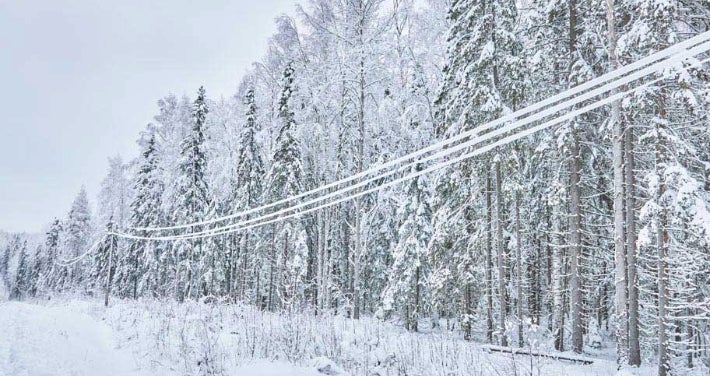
58	340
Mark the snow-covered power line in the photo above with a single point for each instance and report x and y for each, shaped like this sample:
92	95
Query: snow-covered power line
72	261
675	52
283	214
610	86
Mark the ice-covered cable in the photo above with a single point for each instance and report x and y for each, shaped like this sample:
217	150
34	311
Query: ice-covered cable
70	262
479	151
448	151
614	75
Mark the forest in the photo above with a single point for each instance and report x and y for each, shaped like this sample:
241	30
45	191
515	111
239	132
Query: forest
595	231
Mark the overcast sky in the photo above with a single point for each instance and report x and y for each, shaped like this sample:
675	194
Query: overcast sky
80	78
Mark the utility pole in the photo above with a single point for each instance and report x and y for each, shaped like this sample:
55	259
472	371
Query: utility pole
108	271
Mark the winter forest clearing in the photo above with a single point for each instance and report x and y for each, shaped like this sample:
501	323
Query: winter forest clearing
148	337
400	187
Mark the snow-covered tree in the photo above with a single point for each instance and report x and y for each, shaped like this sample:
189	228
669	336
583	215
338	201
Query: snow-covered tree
406	290
105	261
77	231
288	250
143	267
115	194
192	203
53	274
21	283
246	192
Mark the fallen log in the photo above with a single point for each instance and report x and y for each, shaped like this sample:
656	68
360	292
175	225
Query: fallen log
521	351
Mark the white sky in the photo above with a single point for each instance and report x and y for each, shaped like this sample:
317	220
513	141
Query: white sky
80	78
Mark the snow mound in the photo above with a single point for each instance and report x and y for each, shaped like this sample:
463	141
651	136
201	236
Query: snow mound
326	366
274	368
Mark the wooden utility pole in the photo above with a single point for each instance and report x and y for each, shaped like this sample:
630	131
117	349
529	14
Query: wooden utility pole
109	275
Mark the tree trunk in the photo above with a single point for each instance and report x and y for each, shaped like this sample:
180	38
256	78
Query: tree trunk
489	258
358	251
272	271
558	265
575	215
662	265
662	240
632	279
320	274
357	254
417	303
109	274
620	268
501	257
467	325
575	245
519	270
244	266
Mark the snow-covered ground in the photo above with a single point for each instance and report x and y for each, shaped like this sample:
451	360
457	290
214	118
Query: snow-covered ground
70	339
59	340
80	337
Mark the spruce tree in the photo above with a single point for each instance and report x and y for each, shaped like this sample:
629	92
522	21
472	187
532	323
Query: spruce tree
482	82
21	282
38	270
105	261
8	251
53	273
192	203
140	268
77	233
670	119
406	288
246	192
288	253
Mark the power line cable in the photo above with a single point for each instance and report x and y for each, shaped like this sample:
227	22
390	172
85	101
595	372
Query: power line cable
614	75
238	226
445	152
